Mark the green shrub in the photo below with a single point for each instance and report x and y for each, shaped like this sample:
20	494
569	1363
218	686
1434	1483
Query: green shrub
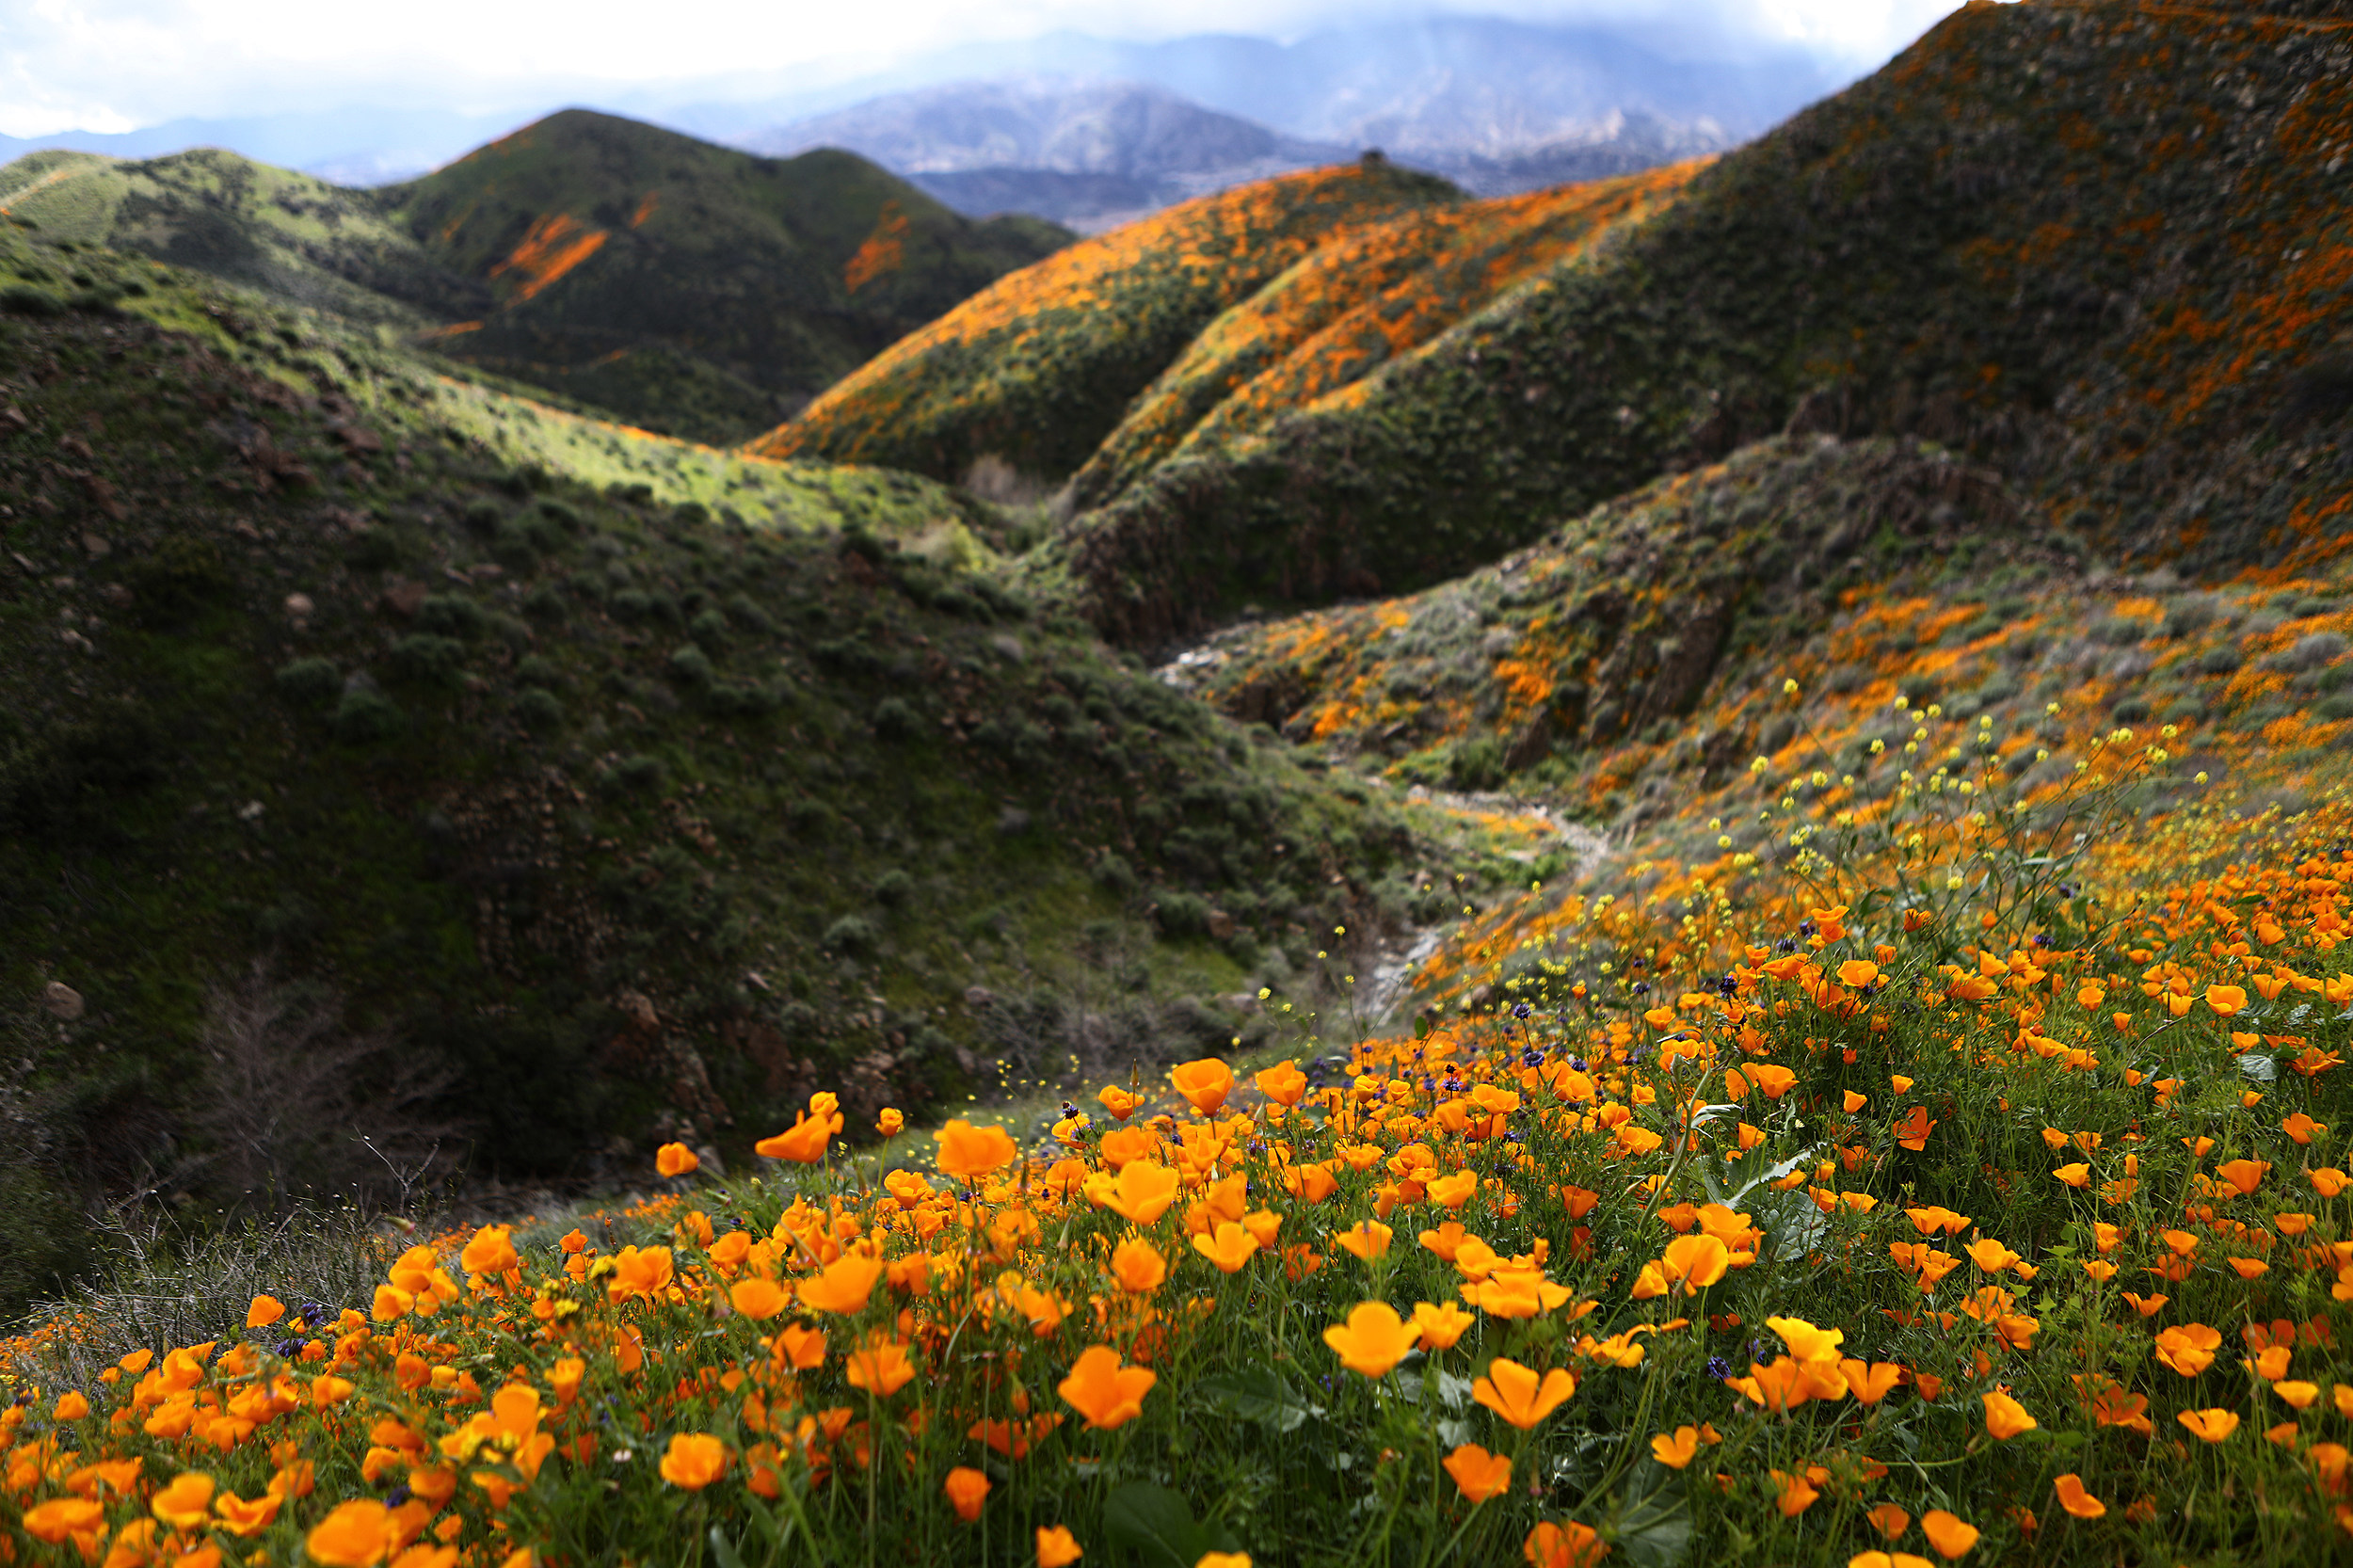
451	615
423	657
310	682
366	716
850	934
539	710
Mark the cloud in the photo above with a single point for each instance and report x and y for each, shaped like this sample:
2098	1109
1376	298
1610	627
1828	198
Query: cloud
114	64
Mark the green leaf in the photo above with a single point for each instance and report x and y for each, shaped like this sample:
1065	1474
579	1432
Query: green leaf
1257	1394
1655	1525
1156	1524
724	1550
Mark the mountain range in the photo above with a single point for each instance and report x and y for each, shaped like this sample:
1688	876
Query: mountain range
704	291
1131	637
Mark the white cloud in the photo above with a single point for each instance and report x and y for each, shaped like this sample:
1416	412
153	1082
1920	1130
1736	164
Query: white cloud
112	64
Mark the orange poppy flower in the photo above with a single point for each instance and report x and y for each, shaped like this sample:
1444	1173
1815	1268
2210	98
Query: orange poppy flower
1230	1246
356	1534
1057	1547
1106	1393
1563	1545
968	1151
1676	1451
880	1366
1518	1394
1141	1192
1282	1083
240	1517
2245	1175
265	1311
694	1460
1889	1520
1949	1535
2189	1349
759	1299
1369	1239
1440	1326
2075	1500
186	1502
1118	1101
1373	1340
1872	1383
1204	1085
2227	1001
844	1286
804	1143
2004	1418
676	1160
966	1489
1481	1475
1138	1265
2210	1425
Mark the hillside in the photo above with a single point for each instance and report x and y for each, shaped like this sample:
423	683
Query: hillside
614	783
682	286
1034	370
1369	296
2111	284
646	271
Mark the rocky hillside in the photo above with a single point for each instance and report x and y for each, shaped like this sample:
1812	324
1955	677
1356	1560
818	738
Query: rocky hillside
684	287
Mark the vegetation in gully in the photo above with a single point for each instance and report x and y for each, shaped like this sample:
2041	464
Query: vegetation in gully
1873	1091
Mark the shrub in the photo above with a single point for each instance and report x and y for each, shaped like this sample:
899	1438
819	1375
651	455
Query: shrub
640	774
2221	660
366	716
690	665
451	615
310	682
850	936
423	657
539	710
894	720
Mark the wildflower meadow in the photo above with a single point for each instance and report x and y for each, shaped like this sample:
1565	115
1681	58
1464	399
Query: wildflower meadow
1966	1187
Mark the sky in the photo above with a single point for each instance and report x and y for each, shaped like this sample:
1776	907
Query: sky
119	65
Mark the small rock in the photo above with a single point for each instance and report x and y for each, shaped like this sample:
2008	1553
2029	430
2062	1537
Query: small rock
63	1002
116	595
403	598
637	1009
1221	925
299	606
244	528
1013	820
978	996
99	549
250	811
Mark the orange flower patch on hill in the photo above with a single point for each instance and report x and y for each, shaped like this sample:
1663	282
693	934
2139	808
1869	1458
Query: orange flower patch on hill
555	245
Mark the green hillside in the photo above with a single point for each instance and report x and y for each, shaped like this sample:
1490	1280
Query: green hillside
627	785
682	286
2119	285
707	289
1037	369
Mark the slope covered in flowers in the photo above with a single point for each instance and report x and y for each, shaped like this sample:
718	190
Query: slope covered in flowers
1352	306
1968	1185
2096	246
1035	369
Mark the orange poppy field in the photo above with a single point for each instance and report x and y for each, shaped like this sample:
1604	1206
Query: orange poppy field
1809	699
1968	1187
